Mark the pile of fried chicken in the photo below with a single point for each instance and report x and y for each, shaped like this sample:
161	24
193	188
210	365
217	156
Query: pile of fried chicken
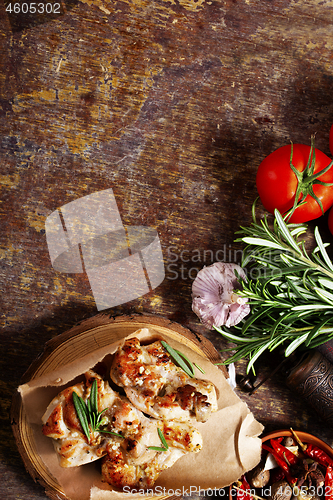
159	398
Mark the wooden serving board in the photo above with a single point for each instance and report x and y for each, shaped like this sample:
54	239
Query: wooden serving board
86	337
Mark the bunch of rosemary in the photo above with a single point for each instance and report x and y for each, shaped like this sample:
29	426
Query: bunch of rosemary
290	291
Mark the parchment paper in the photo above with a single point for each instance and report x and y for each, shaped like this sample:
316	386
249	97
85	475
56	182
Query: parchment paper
231	445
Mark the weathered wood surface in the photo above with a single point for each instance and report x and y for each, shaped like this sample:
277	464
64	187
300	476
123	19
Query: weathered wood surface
172	104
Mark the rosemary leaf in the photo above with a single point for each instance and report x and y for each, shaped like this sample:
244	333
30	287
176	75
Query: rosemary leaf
316	331
80	408
110	432
199	368
285	232
189	363
326	283
296	343
325	295
162	438
257	353
156	448
93	397
322	249
179	358
262	242
233	338
165	446
313	307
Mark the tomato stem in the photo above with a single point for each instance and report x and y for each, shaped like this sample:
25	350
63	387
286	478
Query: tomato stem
306	179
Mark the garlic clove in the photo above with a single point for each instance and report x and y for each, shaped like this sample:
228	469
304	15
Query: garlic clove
214	295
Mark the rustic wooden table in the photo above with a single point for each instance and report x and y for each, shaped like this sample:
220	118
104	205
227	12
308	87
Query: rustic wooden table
172	105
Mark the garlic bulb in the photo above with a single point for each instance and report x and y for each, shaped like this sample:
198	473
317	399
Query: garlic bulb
214	295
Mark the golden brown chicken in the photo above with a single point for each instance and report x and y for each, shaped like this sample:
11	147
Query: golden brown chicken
61	422
155	385
130	458
121	467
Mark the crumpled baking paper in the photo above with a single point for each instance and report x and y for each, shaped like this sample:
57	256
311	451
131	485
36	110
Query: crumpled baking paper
231	443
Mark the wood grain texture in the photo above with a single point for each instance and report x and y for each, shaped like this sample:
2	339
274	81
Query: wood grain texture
172	104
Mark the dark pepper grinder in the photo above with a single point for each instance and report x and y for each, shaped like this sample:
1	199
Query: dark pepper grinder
312	379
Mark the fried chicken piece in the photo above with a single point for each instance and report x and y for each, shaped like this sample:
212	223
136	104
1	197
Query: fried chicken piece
129	458
119	474
72	445
156	386
60	422
120	467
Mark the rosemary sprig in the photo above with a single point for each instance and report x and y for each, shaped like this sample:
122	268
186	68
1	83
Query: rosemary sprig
290	291
90	418
185	364
165	446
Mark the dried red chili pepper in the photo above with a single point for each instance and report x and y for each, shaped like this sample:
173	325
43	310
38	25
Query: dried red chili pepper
329	483
318	455
277	474
283	452
242	490
314	452
281	463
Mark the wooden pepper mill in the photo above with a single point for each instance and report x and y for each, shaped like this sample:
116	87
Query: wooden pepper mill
312	379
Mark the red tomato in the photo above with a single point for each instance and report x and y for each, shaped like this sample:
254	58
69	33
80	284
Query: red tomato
277	183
